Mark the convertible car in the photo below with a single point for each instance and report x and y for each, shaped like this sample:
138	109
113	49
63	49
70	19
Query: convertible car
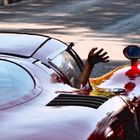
34	69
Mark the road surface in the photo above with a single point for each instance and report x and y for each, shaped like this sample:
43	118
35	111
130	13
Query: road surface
107	24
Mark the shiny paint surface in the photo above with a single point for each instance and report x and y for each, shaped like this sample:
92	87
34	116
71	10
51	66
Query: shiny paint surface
32	119
23	44
117	125
124	82
127	78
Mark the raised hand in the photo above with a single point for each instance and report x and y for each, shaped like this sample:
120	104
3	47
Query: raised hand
95	57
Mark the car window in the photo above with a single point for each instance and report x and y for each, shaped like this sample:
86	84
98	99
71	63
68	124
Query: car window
68	65
15	82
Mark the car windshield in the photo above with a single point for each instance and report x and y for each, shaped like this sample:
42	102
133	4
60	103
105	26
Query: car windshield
15	82
68	65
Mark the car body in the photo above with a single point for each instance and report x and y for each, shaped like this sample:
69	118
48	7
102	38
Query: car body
34	69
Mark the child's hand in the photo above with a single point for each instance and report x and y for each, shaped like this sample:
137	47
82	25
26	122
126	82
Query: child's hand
98	56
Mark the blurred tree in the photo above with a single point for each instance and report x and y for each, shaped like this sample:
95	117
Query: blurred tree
5	2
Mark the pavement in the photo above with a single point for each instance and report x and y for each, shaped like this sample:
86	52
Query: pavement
111	24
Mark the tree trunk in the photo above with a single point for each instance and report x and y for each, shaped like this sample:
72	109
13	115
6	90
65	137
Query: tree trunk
5	2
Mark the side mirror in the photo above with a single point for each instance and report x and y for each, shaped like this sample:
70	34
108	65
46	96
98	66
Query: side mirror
132	52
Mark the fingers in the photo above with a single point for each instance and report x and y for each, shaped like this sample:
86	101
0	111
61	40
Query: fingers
92	50
98	52
102	55
105	59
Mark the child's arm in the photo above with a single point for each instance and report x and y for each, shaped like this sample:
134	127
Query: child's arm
93	58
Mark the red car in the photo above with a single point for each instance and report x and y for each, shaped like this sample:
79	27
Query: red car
34	69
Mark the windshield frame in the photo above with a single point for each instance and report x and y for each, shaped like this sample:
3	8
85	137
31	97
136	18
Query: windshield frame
76	59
